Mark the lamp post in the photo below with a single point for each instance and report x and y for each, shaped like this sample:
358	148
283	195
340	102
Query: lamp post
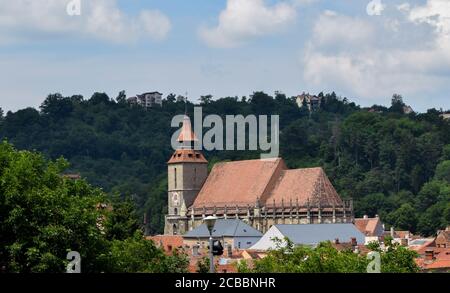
210	221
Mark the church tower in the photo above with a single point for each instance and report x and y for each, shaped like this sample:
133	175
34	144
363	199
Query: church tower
187	171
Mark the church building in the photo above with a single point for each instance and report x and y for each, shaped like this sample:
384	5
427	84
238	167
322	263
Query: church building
262	192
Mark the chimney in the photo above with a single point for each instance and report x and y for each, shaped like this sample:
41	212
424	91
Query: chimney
229	250
365	217
336	241
429	254
353	241
392	231
377	216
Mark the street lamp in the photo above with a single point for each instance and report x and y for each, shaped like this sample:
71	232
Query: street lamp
210	221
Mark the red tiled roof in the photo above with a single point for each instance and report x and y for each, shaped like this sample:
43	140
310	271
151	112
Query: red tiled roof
367	225
246	182
310	184
167	242
238	183
441	259
187	156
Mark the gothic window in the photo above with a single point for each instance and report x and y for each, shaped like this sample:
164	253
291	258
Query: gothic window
195	177
174	228
175	176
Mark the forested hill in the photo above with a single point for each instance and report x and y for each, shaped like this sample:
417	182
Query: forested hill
390	163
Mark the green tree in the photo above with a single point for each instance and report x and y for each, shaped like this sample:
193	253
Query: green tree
404	217
443	171
136	254
121	97
44	215
325	259
397	104
204	100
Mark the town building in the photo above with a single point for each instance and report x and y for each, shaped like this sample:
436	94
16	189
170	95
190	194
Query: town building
233	234
147	100
434	253
310	235
262	193
443	238
372	228
310	101
407	109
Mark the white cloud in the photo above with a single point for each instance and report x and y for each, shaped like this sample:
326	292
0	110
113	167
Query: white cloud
333	29
375	7
369	59
435	13
243	20
22	20
404	7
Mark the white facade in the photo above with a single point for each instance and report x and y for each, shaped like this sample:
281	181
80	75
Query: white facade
147	100
268	240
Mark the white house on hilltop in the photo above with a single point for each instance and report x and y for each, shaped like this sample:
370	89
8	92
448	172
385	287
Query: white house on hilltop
147	100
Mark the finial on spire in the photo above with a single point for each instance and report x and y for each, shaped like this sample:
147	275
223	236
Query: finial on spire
185	103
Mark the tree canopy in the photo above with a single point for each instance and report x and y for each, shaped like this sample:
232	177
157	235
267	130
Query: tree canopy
44	215
392	164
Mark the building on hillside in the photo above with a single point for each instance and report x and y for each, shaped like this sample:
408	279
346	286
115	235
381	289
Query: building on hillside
310	101
147	100
372	228
310	234
233	233
445	116
407	109
262	193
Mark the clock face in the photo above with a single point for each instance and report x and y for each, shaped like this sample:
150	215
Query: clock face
175	198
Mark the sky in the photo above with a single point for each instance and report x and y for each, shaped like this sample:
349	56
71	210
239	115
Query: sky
365	50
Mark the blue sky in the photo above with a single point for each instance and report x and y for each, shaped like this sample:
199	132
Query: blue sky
227	48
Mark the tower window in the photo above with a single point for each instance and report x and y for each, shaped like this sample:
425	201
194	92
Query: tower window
174	228
175	176
195	177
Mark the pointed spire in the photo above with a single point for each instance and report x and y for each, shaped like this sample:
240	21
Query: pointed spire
187	134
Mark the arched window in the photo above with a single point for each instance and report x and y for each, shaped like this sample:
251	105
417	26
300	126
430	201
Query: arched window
175	211
174	229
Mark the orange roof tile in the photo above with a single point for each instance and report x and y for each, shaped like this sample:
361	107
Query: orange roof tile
187	156
367	225
167	242
441	259
245	182
238	183
309	184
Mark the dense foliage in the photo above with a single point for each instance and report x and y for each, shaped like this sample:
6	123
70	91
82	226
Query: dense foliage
44	215
325	258
393	164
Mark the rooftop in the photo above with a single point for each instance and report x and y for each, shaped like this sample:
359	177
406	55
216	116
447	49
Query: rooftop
312	234
267	182
225	227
